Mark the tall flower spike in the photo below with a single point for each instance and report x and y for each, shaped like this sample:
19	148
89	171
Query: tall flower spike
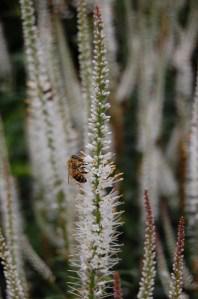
176	283
71	83
192	179
149	267
98	218
14	288
10	219
85	57
107	8
171	243
47	124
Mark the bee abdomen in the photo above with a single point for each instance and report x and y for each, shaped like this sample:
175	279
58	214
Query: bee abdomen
80	178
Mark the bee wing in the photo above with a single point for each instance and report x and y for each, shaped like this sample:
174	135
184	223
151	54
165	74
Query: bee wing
82	154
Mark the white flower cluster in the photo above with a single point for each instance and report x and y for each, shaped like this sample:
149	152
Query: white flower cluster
14	288
192	180
85	57
175	291
11	253
50	133
176	283
97	203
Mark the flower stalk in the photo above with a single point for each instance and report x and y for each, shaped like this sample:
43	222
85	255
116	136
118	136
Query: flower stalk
98	218
10	217
85	57
14	289
176	284
117	290
49	129
146	287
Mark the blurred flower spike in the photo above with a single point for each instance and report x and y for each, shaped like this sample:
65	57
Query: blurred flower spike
117	291
149	263
176	284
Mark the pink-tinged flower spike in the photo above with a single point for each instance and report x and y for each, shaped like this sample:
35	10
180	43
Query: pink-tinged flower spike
149	263
98	200
171	243
117	291
176	283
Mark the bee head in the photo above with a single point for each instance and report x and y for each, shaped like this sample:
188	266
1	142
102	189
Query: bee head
74	157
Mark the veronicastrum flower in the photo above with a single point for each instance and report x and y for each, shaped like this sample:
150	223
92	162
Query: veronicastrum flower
147	280
176	283
97	203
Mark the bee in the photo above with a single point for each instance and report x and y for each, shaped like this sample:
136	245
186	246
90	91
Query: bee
77	168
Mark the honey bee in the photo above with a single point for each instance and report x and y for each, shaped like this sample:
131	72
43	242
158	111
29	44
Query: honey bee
77	168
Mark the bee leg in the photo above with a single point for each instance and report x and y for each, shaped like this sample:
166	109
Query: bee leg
84	172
